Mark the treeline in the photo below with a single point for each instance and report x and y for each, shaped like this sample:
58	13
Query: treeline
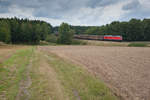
14	30
133	30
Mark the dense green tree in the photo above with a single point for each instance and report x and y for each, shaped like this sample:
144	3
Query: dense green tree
5	32
23	30
146	28
51	38
65	34
115	28
93	31
80	29
14	30
135	31
45	30
36	34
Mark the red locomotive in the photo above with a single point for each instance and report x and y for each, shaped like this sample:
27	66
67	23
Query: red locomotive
100	37
113	37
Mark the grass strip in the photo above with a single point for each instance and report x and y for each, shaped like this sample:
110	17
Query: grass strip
12	71
78	83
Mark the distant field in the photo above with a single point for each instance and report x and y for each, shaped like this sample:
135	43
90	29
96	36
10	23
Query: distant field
125	69
122	44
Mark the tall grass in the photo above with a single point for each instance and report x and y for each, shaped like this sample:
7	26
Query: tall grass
138	44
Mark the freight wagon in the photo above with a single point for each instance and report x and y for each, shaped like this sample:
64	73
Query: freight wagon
100	37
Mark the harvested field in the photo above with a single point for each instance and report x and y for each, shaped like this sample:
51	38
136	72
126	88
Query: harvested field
7	51
126	70
30	73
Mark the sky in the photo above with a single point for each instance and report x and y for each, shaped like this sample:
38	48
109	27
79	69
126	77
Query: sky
76	12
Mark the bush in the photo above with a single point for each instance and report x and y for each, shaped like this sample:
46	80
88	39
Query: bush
51	38
138	45
42	43
2	44
78	42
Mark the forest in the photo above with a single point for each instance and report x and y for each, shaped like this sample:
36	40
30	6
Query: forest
133	30
15	30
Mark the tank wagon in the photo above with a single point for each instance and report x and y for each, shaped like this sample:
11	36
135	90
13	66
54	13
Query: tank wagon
100	37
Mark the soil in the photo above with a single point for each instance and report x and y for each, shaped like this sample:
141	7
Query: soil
125	70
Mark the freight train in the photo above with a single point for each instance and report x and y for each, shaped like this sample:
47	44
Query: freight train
100	37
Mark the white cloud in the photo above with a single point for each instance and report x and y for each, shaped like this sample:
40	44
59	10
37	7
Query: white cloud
54	22
113	12
21	12
145	3
96	16
77	12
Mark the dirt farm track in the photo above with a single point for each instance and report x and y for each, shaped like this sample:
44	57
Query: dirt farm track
126	70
